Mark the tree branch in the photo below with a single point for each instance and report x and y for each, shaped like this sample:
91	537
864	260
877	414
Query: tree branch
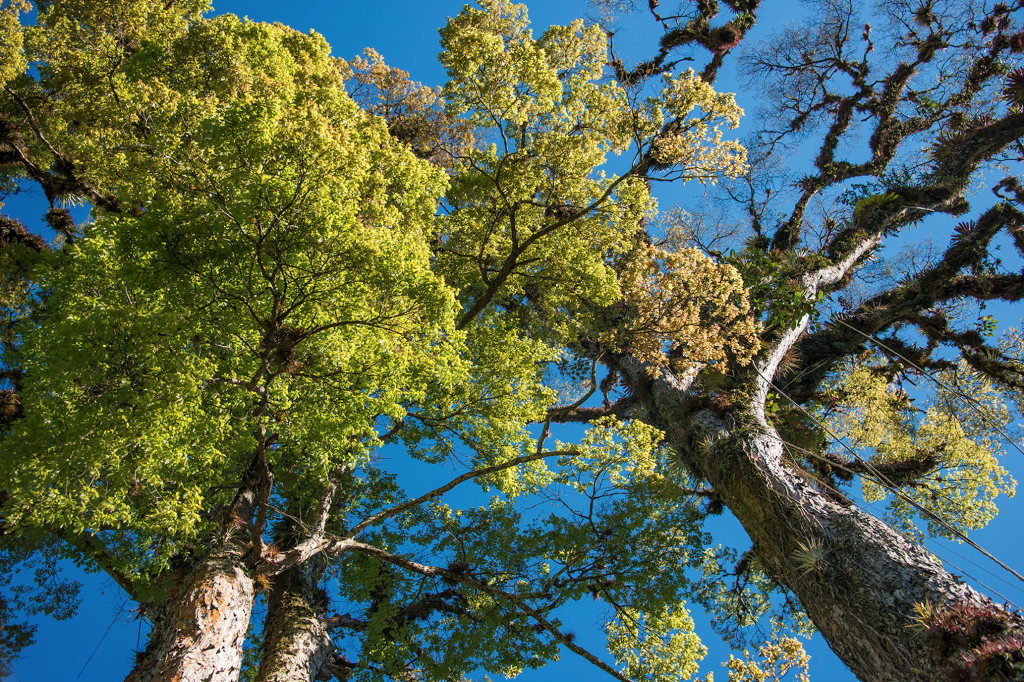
90	545
464	579
437	492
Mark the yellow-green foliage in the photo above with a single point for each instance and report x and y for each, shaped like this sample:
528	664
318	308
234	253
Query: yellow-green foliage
12	52
696	143
278	278
266	278
656	646
880	421
529	206
622	451
779	658
689	304
547	124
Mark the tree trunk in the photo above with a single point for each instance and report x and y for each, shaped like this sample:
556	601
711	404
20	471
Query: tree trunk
296	643
858	579
199	628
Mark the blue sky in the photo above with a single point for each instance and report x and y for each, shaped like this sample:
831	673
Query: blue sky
405	32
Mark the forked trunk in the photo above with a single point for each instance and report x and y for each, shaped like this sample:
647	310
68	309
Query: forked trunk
296	643
199	628
863	584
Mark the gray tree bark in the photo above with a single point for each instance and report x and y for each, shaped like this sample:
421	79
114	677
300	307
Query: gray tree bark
863	589
200	626
297	646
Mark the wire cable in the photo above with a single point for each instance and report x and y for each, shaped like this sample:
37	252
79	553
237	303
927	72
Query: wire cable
970	401
96	649
980	567
874	515
886	482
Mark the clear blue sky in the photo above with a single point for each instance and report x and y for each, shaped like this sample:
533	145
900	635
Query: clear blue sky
405	32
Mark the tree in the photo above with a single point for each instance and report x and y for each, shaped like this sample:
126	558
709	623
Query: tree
199	375
265	295
903	121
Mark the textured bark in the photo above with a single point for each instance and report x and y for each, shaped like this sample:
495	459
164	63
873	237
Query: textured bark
199	627
296	643
861	595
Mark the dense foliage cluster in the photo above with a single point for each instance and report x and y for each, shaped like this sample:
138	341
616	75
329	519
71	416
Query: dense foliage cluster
295	262
266	293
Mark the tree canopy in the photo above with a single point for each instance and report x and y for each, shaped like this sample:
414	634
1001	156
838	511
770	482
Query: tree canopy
294	262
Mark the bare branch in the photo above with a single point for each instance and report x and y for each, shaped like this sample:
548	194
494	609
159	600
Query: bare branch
437	492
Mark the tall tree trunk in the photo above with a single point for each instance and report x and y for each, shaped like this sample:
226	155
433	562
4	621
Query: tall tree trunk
860	581
296	644
200	626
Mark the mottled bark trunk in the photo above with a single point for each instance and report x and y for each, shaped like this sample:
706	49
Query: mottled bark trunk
296	644
199	628
862	589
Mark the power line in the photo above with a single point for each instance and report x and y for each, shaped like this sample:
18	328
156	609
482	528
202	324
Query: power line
875	516
96	649
1002	580
970	401
886	482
